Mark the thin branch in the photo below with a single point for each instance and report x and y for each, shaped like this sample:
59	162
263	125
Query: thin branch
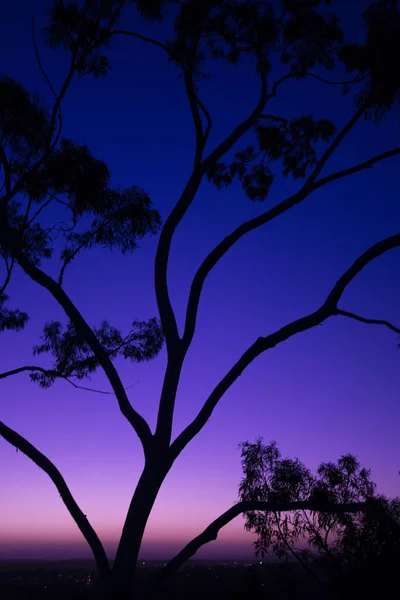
76	513
334	145
46	77
358	265
73	255
58	375
6	169
195	110
327	309
9	269
226	244
89	389
278	83
167	315
39	62
208	119
38	211
211	532
345	82
138	423
143	38
30	369
51	143
274	118
243	127
258	347
382	322
366	164
293	552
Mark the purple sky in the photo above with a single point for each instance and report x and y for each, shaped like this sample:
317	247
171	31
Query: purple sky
326	392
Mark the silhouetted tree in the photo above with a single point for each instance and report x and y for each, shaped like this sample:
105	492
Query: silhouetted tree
40	167
359	545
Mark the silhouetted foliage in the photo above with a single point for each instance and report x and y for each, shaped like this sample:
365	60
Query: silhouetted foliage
11	319
40	171
337	543
74	358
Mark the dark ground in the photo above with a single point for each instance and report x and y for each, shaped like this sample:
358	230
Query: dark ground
198	580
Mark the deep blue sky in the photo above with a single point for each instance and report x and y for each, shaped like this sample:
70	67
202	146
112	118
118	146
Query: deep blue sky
326	392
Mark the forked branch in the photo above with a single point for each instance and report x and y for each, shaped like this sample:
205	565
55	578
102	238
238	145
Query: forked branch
226	244
382	322
327	309
211	532
138	423
76	513
56	375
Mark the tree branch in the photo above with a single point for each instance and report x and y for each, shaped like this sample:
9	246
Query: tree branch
194	109
167	316
243	127
226	244
208	119
143	38
327	309
334	145
358	265
138	423
56	374
383	322
358	79
6	169
366	164
76	513
9	269
211	532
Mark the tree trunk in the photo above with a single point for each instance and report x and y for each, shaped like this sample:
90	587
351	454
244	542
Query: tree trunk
121	585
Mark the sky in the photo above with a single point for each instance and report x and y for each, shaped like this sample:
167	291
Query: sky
326	392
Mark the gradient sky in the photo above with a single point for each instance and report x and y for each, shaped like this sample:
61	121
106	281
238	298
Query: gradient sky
326	392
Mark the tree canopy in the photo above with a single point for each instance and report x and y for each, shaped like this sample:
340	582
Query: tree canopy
328	545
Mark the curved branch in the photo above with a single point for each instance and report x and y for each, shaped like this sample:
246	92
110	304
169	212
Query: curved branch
141	37
138	423
258	347
208	119
211	532
29	369
366	164
6	169
223	247
358	265
9	269
243	127
53	373
327	309
167	315
382	322
45	76
76	513
194	109
358	79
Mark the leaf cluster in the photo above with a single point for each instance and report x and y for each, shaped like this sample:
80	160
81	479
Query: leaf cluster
375	61
11	320
333	539
73	358
291	142
70	176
